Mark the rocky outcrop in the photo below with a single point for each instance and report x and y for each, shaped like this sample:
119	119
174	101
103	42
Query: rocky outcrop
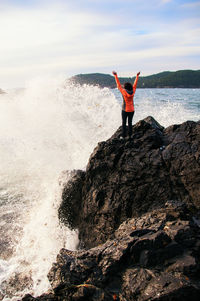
137	210
125	179
152	257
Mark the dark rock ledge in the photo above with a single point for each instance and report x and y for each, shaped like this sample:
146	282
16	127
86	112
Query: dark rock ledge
137	210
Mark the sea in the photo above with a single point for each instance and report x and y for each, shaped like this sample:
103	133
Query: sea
48	129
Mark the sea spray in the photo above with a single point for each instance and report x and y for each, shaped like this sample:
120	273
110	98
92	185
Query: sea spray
46	128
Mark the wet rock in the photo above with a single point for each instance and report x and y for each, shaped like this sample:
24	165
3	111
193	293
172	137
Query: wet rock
124	179
147	285
146	260
44	297
137	210
69	211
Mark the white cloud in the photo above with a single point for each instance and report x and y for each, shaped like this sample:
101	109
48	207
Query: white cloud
20	29
59	38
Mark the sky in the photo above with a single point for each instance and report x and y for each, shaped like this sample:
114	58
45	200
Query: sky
53	38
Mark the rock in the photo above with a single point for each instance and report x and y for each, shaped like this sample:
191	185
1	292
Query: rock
137	211
125	179
44	297
149	258
71	196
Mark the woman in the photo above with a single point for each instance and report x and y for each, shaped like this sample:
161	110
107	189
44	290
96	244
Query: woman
128	106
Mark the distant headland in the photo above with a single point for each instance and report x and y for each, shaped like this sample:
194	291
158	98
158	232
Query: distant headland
166	79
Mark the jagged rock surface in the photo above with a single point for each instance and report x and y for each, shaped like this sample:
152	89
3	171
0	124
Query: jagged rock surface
137	204
124	179
152	257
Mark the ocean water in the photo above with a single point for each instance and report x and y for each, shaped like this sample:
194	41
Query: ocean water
167	106
46	129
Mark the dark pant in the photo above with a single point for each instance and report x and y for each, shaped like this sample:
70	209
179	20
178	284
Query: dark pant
126	115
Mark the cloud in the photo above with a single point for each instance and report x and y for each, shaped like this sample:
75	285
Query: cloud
70	38
19	29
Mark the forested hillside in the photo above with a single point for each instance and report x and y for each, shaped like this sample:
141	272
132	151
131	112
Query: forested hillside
167	79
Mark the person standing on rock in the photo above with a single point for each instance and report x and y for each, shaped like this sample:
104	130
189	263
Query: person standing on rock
128	105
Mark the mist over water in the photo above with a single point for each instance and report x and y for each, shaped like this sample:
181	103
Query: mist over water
45	129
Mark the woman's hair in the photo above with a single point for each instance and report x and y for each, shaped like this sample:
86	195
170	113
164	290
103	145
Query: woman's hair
128	86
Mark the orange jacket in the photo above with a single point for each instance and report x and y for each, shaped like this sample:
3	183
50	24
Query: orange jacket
128	104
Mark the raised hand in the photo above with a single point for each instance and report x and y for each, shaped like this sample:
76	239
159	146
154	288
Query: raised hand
138	73
114	73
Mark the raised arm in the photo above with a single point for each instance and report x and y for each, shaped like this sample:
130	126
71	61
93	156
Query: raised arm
135	82
117	81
